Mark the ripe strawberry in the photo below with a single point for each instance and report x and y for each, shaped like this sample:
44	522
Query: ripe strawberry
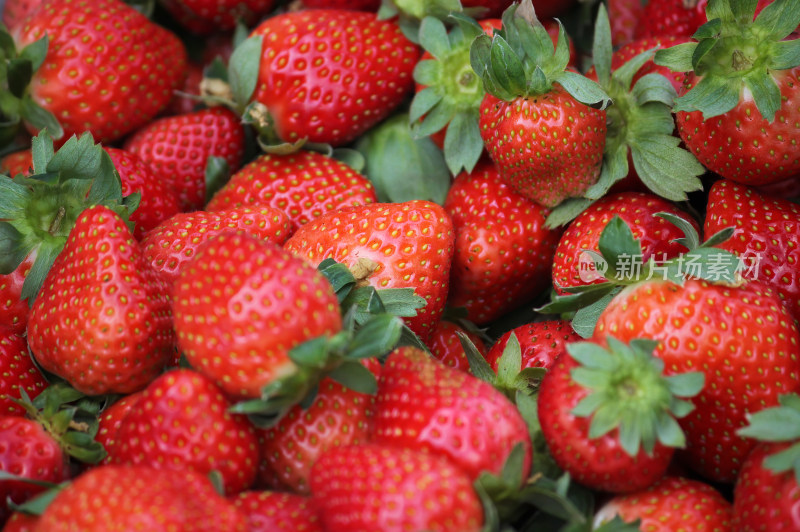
208	16
181	421
330	75
540	130
636	47
540	342
446	347
304	185
503	251
18	162
382	488
181	104
624	16
737	112
656	236
14	13
355	5
765	238
178	148
108	69
120	498
424	405
110	421
18	373
608	414
269	511
338	416
730	333
102	320
21	522
172	244
673	503
241	304
409	244
674	18
14	308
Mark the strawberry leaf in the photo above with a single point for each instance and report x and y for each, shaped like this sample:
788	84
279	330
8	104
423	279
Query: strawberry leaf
778	19
243	69
354	376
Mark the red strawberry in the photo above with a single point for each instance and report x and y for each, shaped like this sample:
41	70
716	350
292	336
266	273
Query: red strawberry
108	70
14	13
767	231
178	148
172	244
445	345
269	511
330	75
424	405
540	342
14	309
656	236
181	104
304	185
19	162
410	245
18	373
674	18
381	489
207	16
356	5
503	251
632	49
731	333
624	16
673	503
21	522
120	498
338	416
102	320
110	421
241	304
181	421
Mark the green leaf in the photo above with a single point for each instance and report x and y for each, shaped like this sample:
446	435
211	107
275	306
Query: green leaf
743	10
106	187
35	52
468	25
716	9
712	96
786	460
602	50
766	94
463	145
423	102
376	337
38	504
710	264
436	120
654	88
567	211
775	424
510	363
479	56
786	55
12	248
78	158
41	151
719	237
217	174
583	89
20	72
354	376
686	384
426	72
312	353
677	58
666	169
585	319
39	117
433	37
14	199
477	363
617	243
624	75
506	67
572	302
778	20
243	69
691	239
46	255
615	168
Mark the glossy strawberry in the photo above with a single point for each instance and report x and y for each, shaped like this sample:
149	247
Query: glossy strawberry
356	5
178	149
21	522
394	489
102	320
675	18
110	421
14	309
181	421
270	511
424	405
503	251
673	503
338	416
541	343
241	304
636	47
408	245
765	238
16	12
18	162
18	373
207	16
304	185
108	69
330	75
176	241
115	498
445	345
624	17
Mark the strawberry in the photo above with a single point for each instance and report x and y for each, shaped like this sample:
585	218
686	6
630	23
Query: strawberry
608	415
208	16
183	101
382	488
541	343
181	421
674	18
503	251
172	244
638	46
445	345
338	416
730	333
18	162
115	498
672	503
14	309
241	304
765	238
110	421
107	69
304	185
178	148
624	16
404	245
424	405
21	522
656	236
14	13
19	373
737	112
329	75
269	511
355	5
102	320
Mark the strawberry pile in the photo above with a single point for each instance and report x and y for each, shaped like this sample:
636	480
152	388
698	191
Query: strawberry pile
399	265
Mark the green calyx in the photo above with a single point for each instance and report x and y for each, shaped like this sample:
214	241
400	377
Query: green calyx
629	392
520	61
38	212
734	53
778	424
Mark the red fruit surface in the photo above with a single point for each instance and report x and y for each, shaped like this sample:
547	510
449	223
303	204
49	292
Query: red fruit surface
394	489
17	371
14	310
446	346
624	18
269	511
541	343
20	522
110	421
330	75
676	18
207	16
19	162
632	49
14	13
241	304
356	5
